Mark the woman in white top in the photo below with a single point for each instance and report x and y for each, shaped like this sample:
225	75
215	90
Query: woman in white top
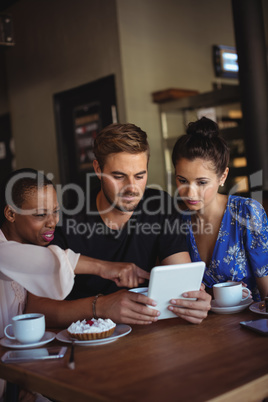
29	212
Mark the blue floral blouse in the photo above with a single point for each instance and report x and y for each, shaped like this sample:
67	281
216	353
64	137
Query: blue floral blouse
241	249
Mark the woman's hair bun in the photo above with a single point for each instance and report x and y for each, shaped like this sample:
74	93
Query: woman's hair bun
204	127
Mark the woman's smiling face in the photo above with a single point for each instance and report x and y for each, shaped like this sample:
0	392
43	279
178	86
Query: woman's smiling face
197	182
40	215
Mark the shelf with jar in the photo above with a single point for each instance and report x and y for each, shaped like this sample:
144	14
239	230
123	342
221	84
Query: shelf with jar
221	105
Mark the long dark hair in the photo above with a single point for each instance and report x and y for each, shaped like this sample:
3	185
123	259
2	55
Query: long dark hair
22	181
202	140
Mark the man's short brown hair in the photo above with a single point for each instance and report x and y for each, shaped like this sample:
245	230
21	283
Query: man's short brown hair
117	138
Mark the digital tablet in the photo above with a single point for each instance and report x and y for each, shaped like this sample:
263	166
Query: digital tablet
171	281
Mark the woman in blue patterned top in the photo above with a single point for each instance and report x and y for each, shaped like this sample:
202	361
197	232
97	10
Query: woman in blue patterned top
229	233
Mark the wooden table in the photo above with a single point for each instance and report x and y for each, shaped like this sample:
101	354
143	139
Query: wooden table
171	360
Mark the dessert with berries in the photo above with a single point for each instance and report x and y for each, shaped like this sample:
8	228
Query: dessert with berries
87	330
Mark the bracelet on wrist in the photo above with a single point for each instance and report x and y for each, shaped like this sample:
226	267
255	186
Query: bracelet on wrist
94	305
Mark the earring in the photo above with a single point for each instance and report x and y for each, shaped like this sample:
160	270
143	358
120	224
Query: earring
222	184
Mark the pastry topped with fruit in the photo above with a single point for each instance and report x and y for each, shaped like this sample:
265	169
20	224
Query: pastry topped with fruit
88	330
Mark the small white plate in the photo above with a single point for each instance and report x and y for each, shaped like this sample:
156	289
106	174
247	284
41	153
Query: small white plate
9	343
144	291
259	308
120	330
230	310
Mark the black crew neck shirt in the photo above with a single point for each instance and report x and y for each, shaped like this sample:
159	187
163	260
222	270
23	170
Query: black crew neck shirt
151	234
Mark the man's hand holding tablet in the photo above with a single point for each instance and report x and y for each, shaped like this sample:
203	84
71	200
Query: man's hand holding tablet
178	291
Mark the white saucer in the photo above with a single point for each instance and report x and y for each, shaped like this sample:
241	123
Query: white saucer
9	343
259	308
144	291
120	330
230	310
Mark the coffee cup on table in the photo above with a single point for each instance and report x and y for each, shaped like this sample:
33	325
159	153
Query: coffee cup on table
228	294
27	328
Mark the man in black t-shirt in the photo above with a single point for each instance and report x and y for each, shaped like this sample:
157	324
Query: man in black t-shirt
151	234
123	222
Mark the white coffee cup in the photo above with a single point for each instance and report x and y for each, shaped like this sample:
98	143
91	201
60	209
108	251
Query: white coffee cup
27	328
227	294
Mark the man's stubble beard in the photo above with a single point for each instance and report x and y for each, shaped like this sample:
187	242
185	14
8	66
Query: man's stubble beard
120	208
